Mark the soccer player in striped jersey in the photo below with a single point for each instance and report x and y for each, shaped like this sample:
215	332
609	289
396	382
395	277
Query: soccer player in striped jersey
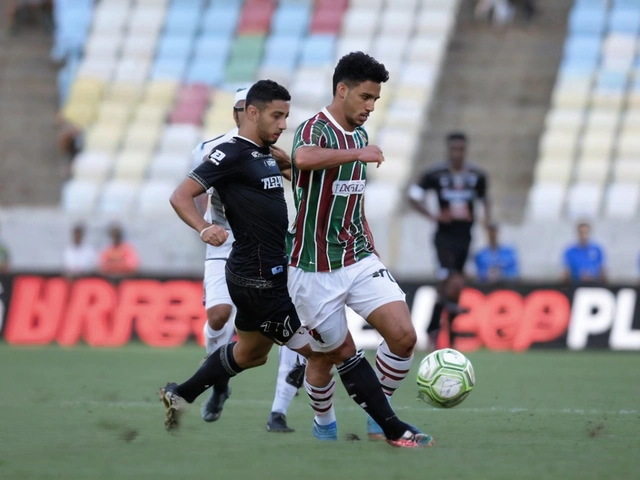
219	329
333	262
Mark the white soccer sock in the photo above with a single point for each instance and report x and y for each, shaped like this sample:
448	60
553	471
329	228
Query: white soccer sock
284	391
214	339
391	369
321	401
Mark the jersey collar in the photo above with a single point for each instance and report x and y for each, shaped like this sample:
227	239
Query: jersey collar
336	124
247	140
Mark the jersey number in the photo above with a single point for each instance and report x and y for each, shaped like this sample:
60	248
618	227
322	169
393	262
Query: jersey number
216	156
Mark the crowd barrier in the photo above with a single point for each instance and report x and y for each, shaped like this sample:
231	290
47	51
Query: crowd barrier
168	312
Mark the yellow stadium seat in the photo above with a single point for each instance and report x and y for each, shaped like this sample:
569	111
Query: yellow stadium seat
114	112
131	164
104	137
141	136
162	92
80	114
124	92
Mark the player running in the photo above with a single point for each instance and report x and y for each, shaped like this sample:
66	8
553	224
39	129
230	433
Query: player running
250	185
458	183
333	261
219	328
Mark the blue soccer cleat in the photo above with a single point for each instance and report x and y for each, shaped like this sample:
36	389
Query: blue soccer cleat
325	432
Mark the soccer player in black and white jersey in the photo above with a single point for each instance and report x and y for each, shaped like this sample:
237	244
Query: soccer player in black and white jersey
458	184
219	328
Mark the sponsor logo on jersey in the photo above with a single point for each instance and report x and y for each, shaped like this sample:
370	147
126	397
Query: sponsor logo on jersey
273	182
348	187
453	195
270	163
256	154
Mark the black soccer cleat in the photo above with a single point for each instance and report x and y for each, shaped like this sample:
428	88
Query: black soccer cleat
212	408
296	376
277	423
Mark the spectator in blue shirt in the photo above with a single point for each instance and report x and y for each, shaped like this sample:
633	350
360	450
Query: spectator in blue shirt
496	263
584	261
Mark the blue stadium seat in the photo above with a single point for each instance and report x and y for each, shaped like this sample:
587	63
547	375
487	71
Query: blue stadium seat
318	50
611	81
578	68
199	4
281	51
291	19
590	20
212	47
628	4
175	46
169	68
72	20
237	3
624	20
210	72
221	19
582	47
182	22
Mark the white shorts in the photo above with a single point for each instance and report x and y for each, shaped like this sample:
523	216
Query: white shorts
320	298
215	284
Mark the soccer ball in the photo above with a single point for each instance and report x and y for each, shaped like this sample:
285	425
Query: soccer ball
445	378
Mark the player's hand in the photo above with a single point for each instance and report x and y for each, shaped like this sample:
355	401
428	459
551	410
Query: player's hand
371	154
215	235
280	156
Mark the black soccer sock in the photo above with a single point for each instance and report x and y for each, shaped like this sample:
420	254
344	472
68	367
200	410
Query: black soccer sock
217	369
434	323
362	385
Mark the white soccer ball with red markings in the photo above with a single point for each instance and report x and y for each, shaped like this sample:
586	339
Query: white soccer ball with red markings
445	378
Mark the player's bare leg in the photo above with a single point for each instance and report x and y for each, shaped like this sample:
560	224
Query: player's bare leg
251	350
395	354
218	331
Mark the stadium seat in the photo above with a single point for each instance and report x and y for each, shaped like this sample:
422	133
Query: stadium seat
290	20
629	145
360	21
559	144
624	20
588	20
621	200
546	201
161	92
214	48
396	21
114	113
426	49
130	165
179	138
79	196
318	50
132	71
281	52
553	170
593	170
436	23
169	68
91	166
326	21
153	198
172	167
117	197
223	16
174	46
348	43
627	170
209	72
583	200
255	18
565	120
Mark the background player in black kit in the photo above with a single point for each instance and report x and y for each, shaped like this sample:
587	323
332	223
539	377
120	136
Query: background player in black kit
250	185
458	184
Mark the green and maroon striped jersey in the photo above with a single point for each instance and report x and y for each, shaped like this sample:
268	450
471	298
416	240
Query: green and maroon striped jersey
329	231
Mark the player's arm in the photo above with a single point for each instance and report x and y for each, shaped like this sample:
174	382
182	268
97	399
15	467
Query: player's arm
283	160
216	168
418	192
318	158
483	194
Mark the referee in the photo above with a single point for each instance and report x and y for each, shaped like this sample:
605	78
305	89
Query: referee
458	184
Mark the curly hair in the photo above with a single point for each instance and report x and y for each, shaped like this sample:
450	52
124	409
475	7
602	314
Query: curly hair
357	67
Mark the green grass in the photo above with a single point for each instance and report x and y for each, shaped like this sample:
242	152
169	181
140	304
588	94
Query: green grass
93	414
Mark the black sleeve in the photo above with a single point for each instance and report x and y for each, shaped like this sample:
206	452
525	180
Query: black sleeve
428	181
481	186
216	168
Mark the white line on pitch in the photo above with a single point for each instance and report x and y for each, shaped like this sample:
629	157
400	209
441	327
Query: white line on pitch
266	403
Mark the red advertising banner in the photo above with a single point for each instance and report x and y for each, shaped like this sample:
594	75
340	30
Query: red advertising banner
41	309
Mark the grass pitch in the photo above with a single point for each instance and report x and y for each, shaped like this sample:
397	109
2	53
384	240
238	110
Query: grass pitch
94	414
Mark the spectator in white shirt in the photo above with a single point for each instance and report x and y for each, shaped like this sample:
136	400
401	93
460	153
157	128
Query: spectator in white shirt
79	257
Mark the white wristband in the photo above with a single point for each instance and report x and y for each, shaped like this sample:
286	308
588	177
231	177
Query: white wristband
205	229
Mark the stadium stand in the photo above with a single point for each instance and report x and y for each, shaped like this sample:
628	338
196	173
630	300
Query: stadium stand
589	153
148	79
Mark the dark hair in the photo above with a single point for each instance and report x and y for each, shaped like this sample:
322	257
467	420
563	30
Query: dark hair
456	136
266	91
584	224
79	227
357	67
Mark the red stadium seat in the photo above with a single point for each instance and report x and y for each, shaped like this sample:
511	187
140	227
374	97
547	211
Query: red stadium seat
256	17
340	5
195	93
187	113
326	20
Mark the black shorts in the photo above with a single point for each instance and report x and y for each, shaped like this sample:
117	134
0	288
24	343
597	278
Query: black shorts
452	251
263	306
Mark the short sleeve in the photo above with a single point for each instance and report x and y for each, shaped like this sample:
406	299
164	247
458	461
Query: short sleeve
481	186
216	168
309	134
